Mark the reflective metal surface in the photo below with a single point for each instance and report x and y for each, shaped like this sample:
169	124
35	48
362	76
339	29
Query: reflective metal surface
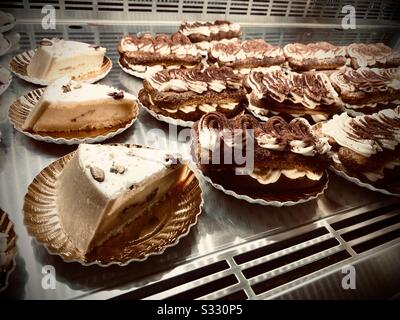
227	226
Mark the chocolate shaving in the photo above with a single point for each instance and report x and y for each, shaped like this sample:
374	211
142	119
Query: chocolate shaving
117	168
117	95
94	46
172	160
66	88
97	174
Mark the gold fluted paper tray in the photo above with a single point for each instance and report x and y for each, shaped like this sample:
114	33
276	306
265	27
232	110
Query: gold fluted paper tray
151	234
7	227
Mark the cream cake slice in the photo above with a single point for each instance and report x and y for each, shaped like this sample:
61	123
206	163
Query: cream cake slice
105	187
55	58
67	105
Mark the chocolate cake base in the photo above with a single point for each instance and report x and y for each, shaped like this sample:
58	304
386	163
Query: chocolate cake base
316	64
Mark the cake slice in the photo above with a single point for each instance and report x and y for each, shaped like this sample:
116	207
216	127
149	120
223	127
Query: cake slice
67	105
55	58
105	187
376	55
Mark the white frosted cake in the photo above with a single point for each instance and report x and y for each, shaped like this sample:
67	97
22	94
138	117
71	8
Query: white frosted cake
105	187
67	105
55	58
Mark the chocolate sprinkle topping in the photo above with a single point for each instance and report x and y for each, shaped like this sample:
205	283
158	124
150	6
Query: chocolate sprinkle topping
66	88
117	95
45	43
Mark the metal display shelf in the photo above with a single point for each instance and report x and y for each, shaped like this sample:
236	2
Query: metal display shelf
237	250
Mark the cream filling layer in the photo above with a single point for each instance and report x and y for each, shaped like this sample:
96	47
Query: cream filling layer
273	175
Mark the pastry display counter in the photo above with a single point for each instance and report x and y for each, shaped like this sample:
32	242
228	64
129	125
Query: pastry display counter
226	245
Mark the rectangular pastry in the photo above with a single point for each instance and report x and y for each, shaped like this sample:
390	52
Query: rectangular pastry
150	53
246	55
315	56
282	92
289	159
367	90
366	147
187	94
376	55
56	58
105	187
202	33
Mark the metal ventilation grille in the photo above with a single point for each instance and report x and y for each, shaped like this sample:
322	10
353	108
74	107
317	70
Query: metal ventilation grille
266	267
231	9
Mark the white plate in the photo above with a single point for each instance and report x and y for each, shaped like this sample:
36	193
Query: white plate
176	122
20	109
362	184
5	77
262	201
20	62
8	18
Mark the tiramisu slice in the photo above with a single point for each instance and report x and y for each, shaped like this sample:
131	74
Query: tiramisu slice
151	53
314	56
105	187
246	55
205	33
187	94
284	160
68	105
367	147
276	91
376	55
56	58
367	90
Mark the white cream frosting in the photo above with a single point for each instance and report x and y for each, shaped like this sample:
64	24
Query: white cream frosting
340	129
273	175
322	50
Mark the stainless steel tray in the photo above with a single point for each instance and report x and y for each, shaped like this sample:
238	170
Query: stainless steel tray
225	241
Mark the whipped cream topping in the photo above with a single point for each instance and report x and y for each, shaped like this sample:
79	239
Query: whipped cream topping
366	79
366	134
318	50
272	175
369	54
196	80
276	134
208	28
161	44
230	51
308	89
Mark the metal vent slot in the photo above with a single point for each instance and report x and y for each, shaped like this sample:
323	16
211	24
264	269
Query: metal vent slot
12	4
192	6
167	5
363	217
116	5
140	6
289	258
38	4
78	5
263	251
24	42
377	241
238	295
207	288
217	7
238	7
174	282
302	271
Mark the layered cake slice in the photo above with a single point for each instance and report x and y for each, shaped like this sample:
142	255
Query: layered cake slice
187	94
246	55
68	105
367	90
147	53
203	34
367	147
56	58
315	56
276	91
371	55
283	160
105	187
